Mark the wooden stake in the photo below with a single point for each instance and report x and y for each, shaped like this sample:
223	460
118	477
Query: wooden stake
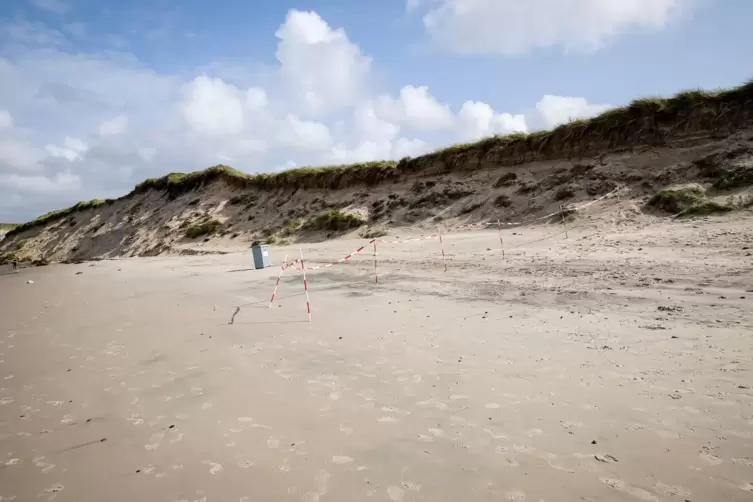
564	222
441	243
501	242
305	285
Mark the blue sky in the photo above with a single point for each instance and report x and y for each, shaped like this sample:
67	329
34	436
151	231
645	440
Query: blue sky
98	95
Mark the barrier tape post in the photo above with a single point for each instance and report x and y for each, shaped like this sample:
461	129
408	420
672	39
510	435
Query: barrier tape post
564	223
501	242
282	269
619	203
376	275
305	285
441	243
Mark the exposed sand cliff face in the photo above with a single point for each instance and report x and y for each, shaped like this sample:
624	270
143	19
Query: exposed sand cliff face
643	147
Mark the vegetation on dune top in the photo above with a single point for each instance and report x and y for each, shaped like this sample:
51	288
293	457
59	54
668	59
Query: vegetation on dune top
649	120
8	226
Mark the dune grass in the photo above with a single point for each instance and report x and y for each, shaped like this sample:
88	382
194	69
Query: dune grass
8	226
649	120
201	229
687	200
334	221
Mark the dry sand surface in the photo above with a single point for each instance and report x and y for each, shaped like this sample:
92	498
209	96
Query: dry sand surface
612	365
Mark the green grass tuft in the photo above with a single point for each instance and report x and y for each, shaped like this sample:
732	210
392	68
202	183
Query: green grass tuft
334	221
200	229
687	200
734	176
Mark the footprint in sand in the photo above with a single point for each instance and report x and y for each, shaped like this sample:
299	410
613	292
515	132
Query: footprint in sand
709	458
13	461
521	448
395	493
341	460
614	483
5	400
672	490
244	464
516	495
492	406
743	461
56	488
214	468
387	420
511	462
620	485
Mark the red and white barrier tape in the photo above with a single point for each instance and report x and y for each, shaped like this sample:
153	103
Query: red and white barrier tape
419	238
539	218
282	269
499	224
331	264
305	285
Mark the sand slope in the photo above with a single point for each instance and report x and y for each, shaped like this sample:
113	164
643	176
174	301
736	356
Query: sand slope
155	221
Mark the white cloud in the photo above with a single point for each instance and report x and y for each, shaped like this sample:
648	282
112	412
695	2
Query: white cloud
72	149
409	148
114	127
416	107
59	183
304	134
477	120
369	125
256	99
6	120
513	26
556	110
18	155
212	107
55	6
320	66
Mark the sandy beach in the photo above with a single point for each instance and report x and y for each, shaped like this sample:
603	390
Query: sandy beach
611	365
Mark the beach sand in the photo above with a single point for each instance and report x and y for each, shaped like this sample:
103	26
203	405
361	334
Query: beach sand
611	365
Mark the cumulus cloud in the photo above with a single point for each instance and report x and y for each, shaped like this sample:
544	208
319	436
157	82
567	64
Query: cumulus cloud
6	120
477	120
304	134
72	149
416	107
512	27
114	127
320	66
18	155
556	110
212	107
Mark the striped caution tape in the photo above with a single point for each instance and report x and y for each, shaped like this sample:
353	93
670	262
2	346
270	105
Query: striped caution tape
499	224
293	263
539	218
419	238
